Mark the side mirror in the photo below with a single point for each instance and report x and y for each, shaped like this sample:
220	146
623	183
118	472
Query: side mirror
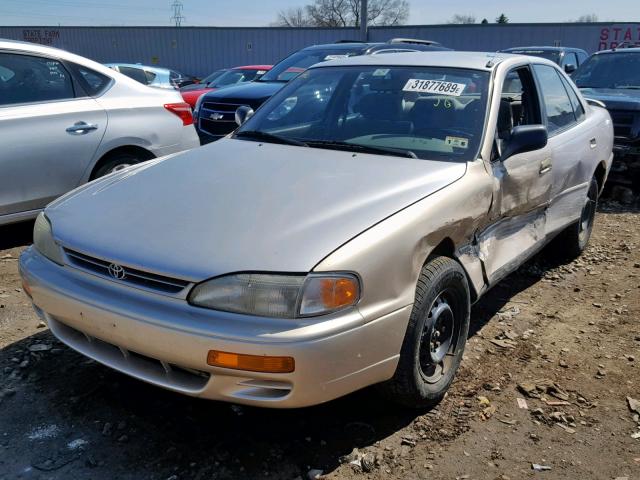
570	68
243	113
525	138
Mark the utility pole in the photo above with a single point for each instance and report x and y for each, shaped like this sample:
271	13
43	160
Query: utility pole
177	17
364	34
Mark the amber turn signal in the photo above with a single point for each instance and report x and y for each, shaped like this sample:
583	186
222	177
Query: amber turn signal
338	292
250	363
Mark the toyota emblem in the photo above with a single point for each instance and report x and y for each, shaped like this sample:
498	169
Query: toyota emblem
116	271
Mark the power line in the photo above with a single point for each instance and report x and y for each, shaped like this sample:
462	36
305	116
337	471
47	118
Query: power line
177	17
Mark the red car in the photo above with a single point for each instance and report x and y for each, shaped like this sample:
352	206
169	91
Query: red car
232	76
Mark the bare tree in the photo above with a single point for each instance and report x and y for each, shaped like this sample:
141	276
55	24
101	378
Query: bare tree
462	19
345	13
588	18
293	17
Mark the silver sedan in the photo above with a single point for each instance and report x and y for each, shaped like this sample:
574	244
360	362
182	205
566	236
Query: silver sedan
65	120
336	240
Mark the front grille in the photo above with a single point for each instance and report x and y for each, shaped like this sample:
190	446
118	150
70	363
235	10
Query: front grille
129	276
217	118
624	123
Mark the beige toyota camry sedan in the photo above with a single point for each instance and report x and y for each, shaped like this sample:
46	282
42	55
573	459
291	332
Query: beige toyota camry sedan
335	240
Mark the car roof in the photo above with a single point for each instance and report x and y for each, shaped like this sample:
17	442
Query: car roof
486	61
619	50
139	65
548	48
252	67
349	46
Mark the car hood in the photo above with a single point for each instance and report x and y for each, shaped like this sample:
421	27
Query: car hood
615	98
254	93
239	205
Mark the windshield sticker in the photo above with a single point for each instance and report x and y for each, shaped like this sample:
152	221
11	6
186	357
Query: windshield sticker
261	72
457	142
335	57
434	86
380	72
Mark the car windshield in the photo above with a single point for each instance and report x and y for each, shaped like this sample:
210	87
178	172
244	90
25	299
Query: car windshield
295	64
232	77
418	112
610	70
211	77
552	55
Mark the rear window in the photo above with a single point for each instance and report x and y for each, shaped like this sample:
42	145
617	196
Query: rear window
136	73
94	83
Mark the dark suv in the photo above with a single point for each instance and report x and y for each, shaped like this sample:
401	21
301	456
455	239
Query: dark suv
613	78
568	58
214	114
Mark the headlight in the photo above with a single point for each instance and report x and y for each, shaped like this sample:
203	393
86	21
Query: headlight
196	109
280	296
44	242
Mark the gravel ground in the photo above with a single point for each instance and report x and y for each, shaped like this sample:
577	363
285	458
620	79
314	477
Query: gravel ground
552	356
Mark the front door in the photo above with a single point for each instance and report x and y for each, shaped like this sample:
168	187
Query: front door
524	183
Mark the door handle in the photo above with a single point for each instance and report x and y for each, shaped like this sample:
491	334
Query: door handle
545	166
81	128
593	143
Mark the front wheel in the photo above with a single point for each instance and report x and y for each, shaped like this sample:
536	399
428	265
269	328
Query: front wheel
435	338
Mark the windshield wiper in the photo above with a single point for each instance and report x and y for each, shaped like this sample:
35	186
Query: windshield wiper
357	147
269	137
629	87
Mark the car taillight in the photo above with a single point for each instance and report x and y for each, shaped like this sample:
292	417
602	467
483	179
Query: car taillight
182	110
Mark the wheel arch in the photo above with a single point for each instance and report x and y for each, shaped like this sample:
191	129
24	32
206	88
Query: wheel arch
131	149
600	175
447	248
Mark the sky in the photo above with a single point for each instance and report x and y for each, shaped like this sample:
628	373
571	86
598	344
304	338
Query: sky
263	12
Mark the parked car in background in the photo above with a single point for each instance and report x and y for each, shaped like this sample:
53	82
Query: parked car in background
216	118
152	76
208	79
336	240
568	58
613	78
232	76
65	120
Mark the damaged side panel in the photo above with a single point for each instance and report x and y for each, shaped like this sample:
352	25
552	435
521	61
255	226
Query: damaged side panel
506	244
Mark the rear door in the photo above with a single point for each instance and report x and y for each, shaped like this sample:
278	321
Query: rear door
49	131
572	144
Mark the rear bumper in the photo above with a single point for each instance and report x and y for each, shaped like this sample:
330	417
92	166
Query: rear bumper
164	341
188	140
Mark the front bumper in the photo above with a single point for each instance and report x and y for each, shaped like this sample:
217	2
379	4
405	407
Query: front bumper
164	341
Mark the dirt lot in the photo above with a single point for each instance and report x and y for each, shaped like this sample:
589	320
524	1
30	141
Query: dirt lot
563	341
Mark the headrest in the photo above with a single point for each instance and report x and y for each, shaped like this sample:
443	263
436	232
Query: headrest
379	106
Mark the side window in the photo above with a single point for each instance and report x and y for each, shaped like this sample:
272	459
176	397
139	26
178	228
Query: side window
519	103
92	82
569	59
582	57
28	79
150	76
578	109
557	103
136	73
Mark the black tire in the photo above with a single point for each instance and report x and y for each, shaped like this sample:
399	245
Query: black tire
116	162
575	238
442	307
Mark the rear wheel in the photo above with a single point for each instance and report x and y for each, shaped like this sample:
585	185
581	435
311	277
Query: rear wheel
574	240
435	338
116	162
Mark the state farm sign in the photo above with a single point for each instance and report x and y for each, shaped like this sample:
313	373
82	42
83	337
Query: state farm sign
613	36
